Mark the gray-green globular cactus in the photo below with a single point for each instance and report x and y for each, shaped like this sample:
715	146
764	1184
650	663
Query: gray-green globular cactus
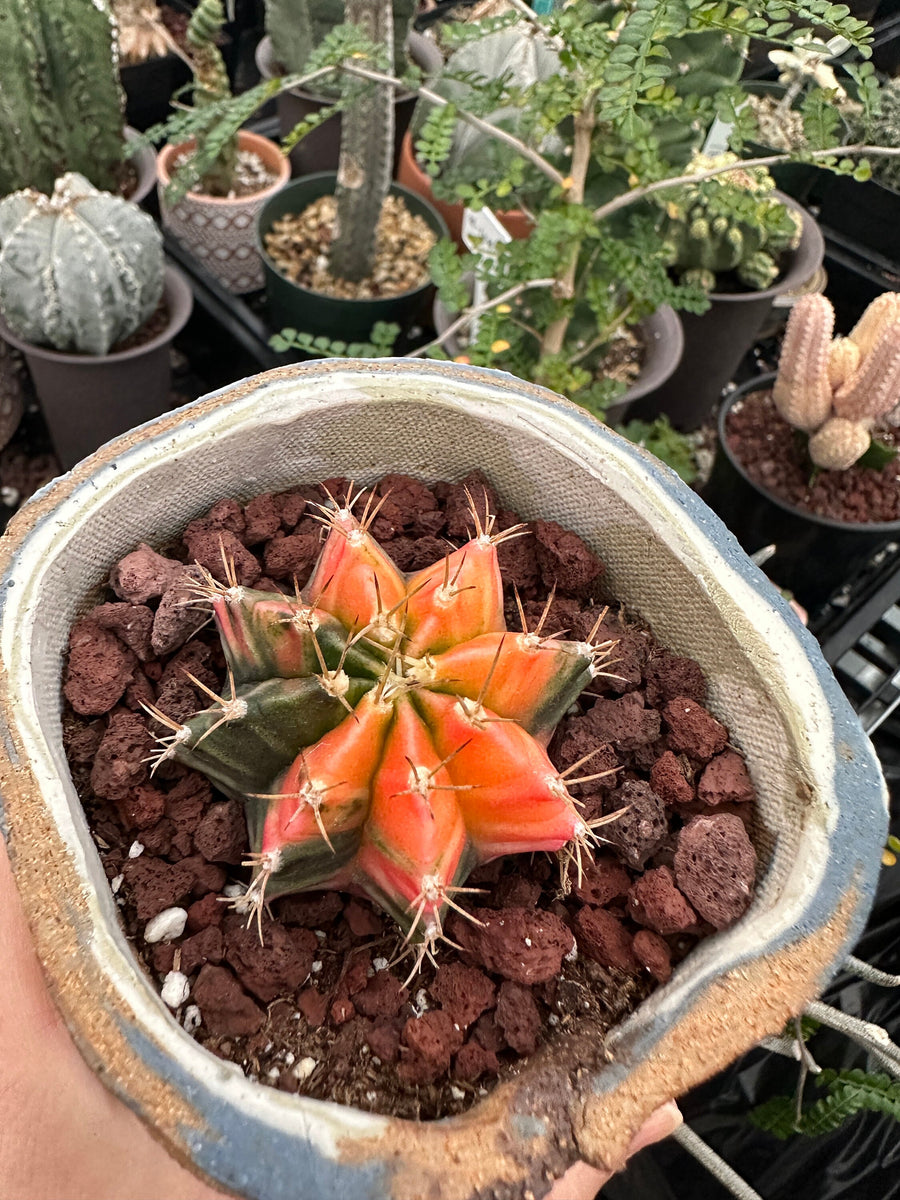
79	270
731	222
61	105
297	27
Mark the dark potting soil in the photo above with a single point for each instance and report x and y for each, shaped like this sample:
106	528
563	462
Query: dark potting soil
155	324
774	456
322	1006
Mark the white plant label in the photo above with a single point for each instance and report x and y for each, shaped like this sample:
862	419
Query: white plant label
481	234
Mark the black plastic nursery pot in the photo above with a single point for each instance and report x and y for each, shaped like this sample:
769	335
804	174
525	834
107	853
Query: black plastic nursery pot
148	88
794	179
814	556
717	340
320	149
868	213
88	399
296	307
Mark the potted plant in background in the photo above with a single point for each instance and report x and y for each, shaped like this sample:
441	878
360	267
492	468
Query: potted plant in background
87	298
295	29
150	66
212	209
797	465
63	104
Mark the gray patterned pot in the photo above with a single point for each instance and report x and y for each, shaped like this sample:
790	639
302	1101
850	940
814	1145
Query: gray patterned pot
821	813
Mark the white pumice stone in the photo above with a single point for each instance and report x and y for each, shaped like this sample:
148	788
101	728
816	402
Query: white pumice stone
304	1068
175	989
166	925
135	850
192	1018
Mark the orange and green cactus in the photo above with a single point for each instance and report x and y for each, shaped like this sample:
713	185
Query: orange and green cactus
387	733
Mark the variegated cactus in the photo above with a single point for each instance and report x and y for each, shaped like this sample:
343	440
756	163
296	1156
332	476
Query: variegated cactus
835	390
386	733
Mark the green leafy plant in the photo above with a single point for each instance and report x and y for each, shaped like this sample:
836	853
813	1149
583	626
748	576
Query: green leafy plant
847	1093
380	344
673	448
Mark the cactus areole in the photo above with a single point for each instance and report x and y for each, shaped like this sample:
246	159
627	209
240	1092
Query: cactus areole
384	732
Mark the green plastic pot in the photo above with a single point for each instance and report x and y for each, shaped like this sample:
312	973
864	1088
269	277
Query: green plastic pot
296	307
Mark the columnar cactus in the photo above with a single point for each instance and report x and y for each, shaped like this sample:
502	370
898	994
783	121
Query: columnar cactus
62	107
730	222
836	390
80	269
297	27
211	85
386	733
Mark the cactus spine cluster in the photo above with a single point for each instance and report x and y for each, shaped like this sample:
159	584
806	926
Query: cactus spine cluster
729	222
211	85
297	27
61	107
79	270
386	733
835	390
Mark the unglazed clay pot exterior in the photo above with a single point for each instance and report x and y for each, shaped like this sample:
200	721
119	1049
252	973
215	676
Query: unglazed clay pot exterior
819	825
219	232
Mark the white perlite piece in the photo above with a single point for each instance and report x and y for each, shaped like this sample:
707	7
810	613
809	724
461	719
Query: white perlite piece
380	964
166	925
192	1019
175	989
305	1068
135	850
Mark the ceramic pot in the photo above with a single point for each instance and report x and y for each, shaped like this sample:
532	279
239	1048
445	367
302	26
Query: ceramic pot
292	305
820	822
814	556
320	149
88	399
715	341
219	232
411	175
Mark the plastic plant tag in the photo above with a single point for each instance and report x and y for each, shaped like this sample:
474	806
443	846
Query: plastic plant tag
481	234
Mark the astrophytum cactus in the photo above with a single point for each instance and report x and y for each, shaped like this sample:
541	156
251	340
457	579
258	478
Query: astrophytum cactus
835	390
385	732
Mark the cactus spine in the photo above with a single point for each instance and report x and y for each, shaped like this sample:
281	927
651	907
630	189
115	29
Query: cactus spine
836	390
62	106
730	222
385	732
79	270
211	84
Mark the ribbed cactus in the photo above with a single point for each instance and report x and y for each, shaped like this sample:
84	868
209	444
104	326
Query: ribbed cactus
730	222
79	270
883	130
211	85
297	27
836	390
61	106
384	731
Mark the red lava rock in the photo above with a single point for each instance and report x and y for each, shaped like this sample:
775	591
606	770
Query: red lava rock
411	501
177	620
156	885
81	742
212	547
187	800
653	953
513	891
517	555
623	672
458	507
384	1042
120	765
524	945
99	668
356	975
291	556
139	692
221	834
293	505
342	1011
225	515
642	827
131	623
262	517
226	1008
203	947
157	839
518	1017
432	1038
463	992
207	877
311	910
162	956
362	920
564	559
487	1033
314	1006
656	902
715	867
577	739
668	780
472	1061
605	939
205	913
693	730
669	675
280	964
602	880
143	575
725	780
562	615
383	996
142	807
624	723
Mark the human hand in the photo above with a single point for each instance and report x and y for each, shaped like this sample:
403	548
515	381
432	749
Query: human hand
64	1136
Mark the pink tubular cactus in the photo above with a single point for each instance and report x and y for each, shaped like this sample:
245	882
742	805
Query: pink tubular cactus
386	733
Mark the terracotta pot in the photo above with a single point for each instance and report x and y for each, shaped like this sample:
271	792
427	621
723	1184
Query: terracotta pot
88	399
411	175
820	823
320	149
221	233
